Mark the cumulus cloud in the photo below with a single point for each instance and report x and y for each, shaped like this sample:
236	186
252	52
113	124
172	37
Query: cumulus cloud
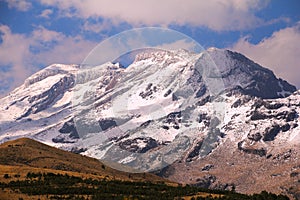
21	55
214	14
46	13
56	47
96	27
140	38
180	44
14	54
280	52
21	5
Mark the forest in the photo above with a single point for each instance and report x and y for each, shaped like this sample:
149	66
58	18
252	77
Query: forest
64	186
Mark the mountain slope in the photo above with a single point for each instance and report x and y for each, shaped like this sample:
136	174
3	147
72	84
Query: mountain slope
259	151
30	154
254	80
170	110
31	172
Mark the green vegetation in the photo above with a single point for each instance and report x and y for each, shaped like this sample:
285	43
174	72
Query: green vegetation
64	186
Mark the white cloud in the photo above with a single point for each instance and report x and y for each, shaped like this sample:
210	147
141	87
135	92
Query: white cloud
179	44
280	53
25	54
46	13
215	14
14	52
21	5
96	27
140	38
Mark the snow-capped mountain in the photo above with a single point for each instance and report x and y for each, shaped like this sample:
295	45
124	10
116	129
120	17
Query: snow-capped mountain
167	107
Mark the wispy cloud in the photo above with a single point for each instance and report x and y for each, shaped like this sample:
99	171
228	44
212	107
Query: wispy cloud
21	5
179	44
215	14
46	13
14	52
280	52
96	27
25	54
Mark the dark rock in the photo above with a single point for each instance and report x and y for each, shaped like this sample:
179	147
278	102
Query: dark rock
269	156
195	152
205	182
176	127
224	186
165	127
48	97
237	103
229	126
258	76
69	127
286	86
283	156
77	150
167	93
288	116
202	117
149	86
296	195
285	127
174	97
150	89
214	122
26	114
294	174
256	115
173	118
62	140
174	115
234	91
271	133
291	116
107	123
287	154
281	115
257	104
203	101
145	124
255	137
165	172
146	94
273	106
207	167
132	145
261	152
118	139
201	91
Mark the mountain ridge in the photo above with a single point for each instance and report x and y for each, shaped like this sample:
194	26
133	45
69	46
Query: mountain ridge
176	108
28	153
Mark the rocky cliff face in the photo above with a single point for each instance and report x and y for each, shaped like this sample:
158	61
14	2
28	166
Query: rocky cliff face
253	79
187	116
260	149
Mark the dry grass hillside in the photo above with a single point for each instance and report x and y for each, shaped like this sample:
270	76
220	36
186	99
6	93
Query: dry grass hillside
30	170
22	156
26	154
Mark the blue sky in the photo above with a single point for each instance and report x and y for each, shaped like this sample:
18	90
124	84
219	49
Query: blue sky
37	33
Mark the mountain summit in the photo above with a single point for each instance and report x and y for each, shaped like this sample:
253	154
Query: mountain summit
186	116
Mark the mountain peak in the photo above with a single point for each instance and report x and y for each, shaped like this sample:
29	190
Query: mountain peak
162	108
159	55
239	71
52	70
